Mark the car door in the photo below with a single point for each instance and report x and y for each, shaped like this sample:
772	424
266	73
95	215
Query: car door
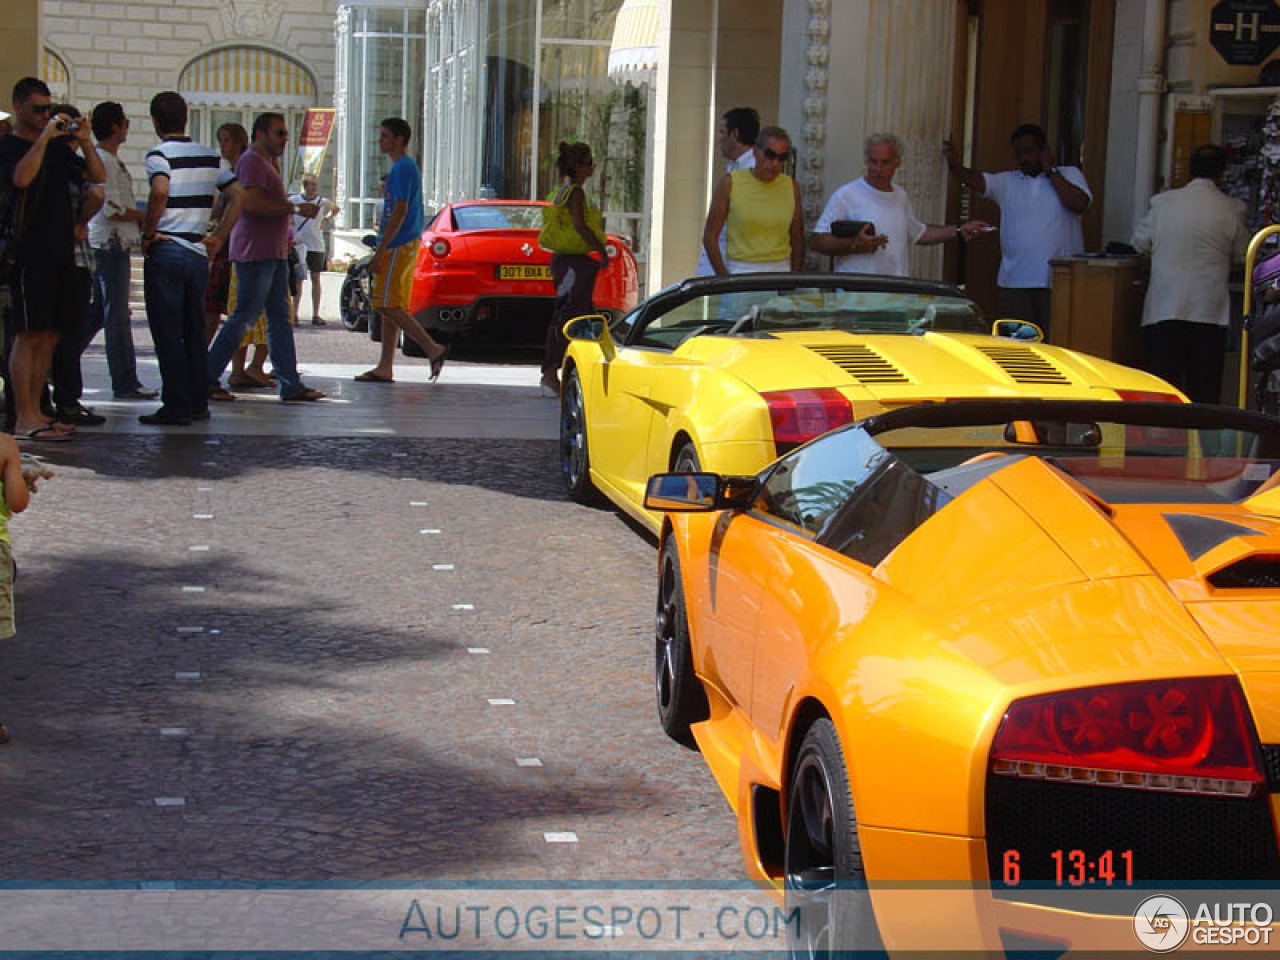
620	412
834	509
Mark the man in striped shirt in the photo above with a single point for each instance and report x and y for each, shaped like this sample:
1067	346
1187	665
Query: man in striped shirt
184	177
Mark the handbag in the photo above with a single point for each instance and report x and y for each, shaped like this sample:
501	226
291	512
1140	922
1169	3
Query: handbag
558	233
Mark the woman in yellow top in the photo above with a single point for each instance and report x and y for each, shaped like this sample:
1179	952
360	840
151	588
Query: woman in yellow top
571	230
761	212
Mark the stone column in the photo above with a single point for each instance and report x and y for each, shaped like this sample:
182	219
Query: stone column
889	70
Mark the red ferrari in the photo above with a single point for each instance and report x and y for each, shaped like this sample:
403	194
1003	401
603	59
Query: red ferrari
481	276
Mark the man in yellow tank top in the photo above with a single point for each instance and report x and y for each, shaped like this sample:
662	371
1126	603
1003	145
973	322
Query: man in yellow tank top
761	212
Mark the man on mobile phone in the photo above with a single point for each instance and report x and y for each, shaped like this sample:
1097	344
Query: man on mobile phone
883	246
38	170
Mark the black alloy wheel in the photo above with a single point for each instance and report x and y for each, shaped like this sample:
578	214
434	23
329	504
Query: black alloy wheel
681	699
825	879
686	459
355	302
575	462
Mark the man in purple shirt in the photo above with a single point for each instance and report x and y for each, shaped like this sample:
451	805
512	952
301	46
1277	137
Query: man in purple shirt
260	250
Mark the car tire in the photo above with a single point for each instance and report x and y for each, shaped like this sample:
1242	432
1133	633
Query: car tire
681	699
575	460
686	459
824	875
355	304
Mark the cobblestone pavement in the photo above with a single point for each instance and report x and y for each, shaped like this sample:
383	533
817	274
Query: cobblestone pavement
289	657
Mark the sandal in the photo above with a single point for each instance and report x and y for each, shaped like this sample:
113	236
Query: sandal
437	364
306	396
45	435
243	381
218	395
372	376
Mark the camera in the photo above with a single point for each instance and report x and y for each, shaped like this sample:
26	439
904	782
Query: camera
68	126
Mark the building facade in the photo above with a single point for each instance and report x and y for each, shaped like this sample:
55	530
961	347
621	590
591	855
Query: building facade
231	59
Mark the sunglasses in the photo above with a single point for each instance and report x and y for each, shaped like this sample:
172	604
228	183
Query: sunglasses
39	107
782	157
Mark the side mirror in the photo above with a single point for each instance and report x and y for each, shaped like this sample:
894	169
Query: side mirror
590	327
1017	330
683	492
698	492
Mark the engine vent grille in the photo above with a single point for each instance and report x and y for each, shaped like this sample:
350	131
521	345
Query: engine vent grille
1251	573
862	363
1025	366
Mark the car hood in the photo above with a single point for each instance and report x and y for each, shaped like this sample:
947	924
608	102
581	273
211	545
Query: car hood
897	369
1078	588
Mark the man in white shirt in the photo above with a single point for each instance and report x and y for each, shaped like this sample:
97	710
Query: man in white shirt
114	233
1040	209
1193	234
735	137
884	244
308	232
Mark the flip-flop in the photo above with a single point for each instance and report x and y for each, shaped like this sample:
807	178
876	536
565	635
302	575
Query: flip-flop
46	435
246	383
370	376
438	364
306	396
218	395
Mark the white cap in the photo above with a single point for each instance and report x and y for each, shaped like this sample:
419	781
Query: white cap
3	115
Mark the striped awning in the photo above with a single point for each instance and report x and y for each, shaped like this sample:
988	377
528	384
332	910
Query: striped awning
56	75
247	76
633	55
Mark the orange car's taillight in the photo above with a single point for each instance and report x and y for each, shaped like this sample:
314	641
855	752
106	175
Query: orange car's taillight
440	249
1186	736
1148	396
798	416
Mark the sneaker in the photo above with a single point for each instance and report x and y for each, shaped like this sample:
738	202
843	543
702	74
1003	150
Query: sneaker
164	418
138	393
80	416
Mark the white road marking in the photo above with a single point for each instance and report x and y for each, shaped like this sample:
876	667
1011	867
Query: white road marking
399	454
501	702
528	762
566	836
429	530
417	503
463	606
212	443
202	516
173	731
191	629
208	463
479	650
215	631
204	489
199	548
193	589
171	801
187	675
442	566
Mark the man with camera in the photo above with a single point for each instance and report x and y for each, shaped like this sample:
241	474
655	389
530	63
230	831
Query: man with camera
37	172
869	226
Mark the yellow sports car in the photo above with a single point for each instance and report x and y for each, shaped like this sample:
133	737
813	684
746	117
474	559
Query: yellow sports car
727	373
1011	664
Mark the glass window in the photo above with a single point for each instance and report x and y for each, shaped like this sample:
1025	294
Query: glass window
509	96
383	56
809	485
498	217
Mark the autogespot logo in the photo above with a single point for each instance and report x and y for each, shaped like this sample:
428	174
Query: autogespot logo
1161	924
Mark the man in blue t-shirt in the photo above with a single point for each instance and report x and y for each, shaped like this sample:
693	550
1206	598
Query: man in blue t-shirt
399	236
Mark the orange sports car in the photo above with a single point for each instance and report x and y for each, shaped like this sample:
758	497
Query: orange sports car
481	275
1009	665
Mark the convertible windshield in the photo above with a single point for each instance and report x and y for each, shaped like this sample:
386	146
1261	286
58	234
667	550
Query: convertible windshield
1119	462
764	312
498	216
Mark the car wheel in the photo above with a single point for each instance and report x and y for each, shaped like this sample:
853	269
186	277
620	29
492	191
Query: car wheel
825	879
575	462
355	304
686	460
681	699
